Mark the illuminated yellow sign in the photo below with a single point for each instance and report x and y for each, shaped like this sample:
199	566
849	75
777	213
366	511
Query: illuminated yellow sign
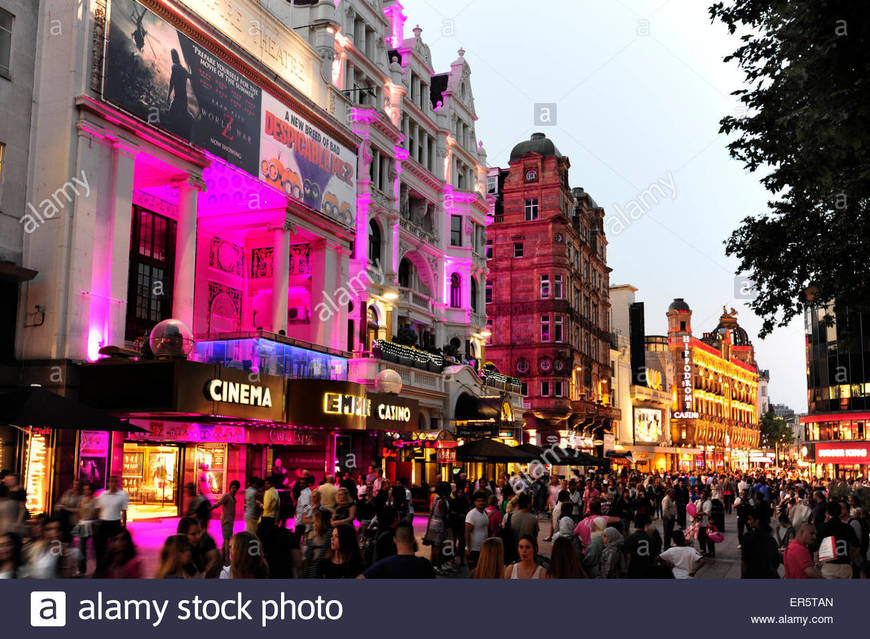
342	404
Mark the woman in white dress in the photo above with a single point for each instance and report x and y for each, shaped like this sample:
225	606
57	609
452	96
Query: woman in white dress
526	567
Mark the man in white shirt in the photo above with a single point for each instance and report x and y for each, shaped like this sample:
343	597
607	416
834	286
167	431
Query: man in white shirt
684	560
112	505
303	505
476	529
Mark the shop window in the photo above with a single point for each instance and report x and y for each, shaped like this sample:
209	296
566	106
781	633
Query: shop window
152	262
150	477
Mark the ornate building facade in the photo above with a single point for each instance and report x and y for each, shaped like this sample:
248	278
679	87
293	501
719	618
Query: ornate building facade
715	391
548	296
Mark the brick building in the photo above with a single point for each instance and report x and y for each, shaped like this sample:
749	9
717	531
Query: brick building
547	297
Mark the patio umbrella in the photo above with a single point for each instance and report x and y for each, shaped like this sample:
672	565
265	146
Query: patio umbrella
40	408
531	449
490	450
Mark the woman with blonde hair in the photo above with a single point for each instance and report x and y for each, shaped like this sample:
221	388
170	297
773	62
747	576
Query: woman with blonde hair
246	558
174	556
490	564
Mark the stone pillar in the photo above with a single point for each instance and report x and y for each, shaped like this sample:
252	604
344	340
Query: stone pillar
124	166
185	250
280	278
324	296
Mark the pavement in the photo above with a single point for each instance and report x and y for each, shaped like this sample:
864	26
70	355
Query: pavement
149	536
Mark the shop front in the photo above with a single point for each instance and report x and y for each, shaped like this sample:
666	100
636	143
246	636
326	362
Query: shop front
844	460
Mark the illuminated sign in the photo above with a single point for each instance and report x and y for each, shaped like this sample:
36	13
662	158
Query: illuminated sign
220	390
394	413
647	425
686	390
344	404
36	473
843	453
653	378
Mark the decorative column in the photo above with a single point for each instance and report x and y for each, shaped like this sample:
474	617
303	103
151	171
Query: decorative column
280	278
185	249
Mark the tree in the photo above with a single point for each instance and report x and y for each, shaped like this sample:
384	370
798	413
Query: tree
775	432
806	128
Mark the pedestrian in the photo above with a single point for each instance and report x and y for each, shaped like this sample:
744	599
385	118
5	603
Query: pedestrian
11	557
227	504
252	504
669	516
702	518
49	556
175	555
564	561
641	549
112	505
759	558
743	505
204	559
490	564
271	504
436	528
198	505
797	559
12	506
317	542
123	560
404	564
493	513
527	567
343	559
592	554
523	522
682	558
845	543
611	564
246	558
345	509
476	528
84	528
303	504
67	509
328	492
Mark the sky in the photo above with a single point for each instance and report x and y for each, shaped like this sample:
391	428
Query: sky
639	87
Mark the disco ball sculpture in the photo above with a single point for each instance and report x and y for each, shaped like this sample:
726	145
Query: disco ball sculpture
388	381
171	338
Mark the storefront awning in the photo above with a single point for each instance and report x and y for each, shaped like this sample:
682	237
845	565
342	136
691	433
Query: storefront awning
40	408
489	450
470	408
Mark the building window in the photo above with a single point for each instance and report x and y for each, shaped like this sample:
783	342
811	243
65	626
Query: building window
152	261
558	389
545	389
5	43
488	291
558	289
489	326
545	287
545	328
455	230
374	242
525	388
405	269
489	249
474	295
531	209
518	249
558	332
455	291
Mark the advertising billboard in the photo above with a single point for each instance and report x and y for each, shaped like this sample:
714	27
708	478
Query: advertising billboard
647	425
162	76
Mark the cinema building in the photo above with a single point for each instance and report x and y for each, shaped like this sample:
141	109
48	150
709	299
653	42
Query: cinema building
837	427
714	414
193	169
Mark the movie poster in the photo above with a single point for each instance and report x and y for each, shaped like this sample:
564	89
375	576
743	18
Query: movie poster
647	425
93	458
165	78
299	159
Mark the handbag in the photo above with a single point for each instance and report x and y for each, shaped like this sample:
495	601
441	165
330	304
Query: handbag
714	535
828	549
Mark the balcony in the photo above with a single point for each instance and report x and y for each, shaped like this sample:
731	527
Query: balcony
270	354
413	298
367	368
498	381
407	356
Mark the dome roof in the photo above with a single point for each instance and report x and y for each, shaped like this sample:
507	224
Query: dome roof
538	143
679	304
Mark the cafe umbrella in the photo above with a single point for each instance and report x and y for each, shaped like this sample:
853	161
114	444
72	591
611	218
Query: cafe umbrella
38	408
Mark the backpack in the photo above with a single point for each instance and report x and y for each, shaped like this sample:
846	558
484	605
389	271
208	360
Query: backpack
509	540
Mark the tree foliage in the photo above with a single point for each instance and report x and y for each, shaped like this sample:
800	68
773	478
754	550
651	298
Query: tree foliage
775	431
806	130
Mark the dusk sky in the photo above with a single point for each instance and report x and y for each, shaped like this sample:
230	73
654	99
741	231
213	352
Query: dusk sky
639	88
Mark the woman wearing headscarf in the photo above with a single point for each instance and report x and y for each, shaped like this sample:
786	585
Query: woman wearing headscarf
592	556
611	565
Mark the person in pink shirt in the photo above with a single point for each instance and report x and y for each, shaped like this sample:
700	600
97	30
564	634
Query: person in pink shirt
798	561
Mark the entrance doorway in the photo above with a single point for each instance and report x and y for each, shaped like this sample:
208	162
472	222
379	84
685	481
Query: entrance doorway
151	479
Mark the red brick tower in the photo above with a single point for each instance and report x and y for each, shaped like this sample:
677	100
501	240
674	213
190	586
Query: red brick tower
547	294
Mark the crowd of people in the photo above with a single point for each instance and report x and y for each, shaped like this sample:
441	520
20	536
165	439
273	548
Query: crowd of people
623	524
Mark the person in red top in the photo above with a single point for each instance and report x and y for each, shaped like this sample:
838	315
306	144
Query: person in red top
798	561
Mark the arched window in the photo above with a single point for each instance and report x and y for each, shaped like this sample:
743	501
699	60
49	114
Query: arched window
455	291
372	327
474	294
405	270
374	242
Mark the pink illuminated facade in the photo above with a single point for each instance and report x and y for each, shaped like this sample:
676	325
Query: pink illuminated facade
295	205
